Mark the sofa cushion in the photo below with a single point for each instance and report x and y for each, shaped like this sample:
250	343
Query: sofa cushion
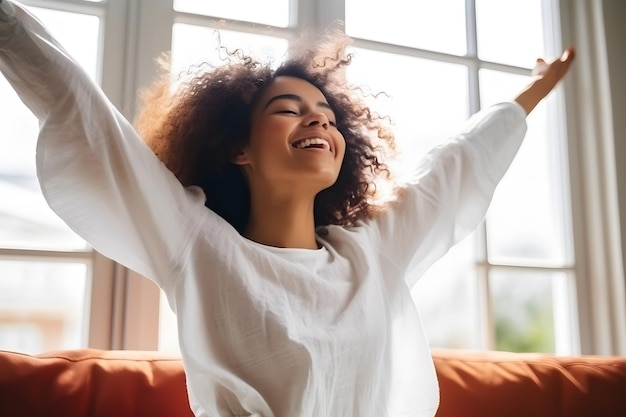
523	384
92	383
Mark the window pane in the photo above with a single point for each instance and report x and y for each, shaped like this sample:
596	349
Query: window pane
433	25
426	100
447	299
186	38
25	219
78	33
27	222
510	32
527	220
268	12
523	307
42	306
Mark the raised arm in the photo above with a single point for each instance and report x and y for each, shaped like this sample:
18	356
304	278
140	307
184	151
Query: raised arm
457	180
545	77
94	171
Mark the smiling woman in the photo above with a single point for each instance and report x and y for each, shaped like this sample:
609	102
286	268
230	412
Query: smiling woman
295	150
213	117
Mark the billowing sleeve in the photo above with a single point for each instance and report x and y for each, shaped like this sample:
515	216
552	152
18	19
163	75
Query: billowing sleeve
94	170
452	191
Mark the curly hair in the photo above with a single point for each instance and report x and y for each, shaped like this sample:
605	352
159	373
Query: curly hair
196	125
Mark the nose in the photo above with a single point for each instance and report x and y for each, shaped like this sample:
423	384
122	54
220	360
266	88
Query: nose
317	118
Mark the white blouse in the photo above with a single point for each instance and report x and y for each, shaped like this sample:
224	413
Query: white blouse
263	331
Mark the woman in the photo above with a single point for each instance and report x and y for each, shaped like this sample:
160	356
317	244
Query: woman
288	285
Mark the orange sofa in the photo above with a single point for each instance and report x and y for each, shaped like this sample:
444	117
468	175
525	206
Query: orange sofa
100	383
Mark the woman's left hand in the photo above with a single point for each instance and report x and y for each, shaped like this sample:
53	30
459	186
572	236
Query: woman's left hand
552	72
545	77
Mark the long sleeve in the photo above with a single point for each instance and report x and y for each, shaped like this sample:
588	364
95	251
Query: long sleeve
452	191
94	171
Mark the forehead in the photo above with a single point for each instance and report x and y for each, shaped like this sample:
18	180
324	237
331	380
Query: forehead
292	85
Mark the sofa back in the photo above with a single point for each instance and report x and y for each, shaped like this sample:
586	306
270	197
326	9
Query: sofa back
92	383
502	384
96	383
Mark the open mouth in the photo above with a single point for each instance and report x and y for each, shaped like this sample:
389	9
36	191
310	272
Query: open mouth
312	143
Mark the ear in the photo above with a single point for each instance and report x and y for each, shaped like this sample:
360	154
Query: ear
240	158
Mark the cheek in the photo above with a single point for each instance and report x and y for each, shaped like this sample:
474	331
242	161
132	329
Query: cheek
269	131
261	134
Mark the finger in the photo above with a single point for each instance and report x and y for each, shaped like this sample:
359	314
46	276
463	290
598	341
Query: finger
568	55
540	67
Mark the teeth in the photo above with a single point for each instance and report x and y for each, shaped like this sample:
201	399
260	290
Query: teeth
305	143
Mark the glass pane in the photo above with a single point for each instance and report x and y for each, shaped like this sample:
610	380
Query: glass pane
27	222
268	12
185	40
523	307
65	26
446	297
25	219
423	112
43	306
433	25
510	32
528	219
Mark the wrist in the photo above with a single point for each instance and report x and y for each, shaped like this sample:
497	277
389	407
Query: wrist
533	93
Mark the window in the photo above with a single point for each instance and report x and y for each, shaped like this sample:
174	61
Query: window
518	283
510	285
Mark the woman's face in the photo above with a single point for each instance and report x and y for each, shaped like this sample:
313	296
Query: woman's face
294	141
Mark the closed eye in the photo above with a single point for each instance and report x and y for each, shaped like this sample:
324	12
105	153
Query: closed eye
294	112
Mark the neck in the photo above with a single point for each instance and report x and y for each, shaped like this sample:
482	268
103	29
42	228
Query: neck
286	223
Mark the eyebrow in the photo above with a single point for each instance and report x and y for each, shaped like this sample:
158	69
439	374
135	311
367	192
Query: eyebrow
294	97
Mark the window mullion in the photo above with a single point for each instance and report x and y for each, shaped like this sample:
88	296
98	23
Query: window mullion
470	28
486	326
144	45
130	46
485	315
472	54
113	38
329	12
149	35
101	300
301	13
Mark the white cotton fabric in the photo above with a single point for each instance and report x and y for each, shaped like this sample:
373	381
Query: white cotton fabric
264	331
